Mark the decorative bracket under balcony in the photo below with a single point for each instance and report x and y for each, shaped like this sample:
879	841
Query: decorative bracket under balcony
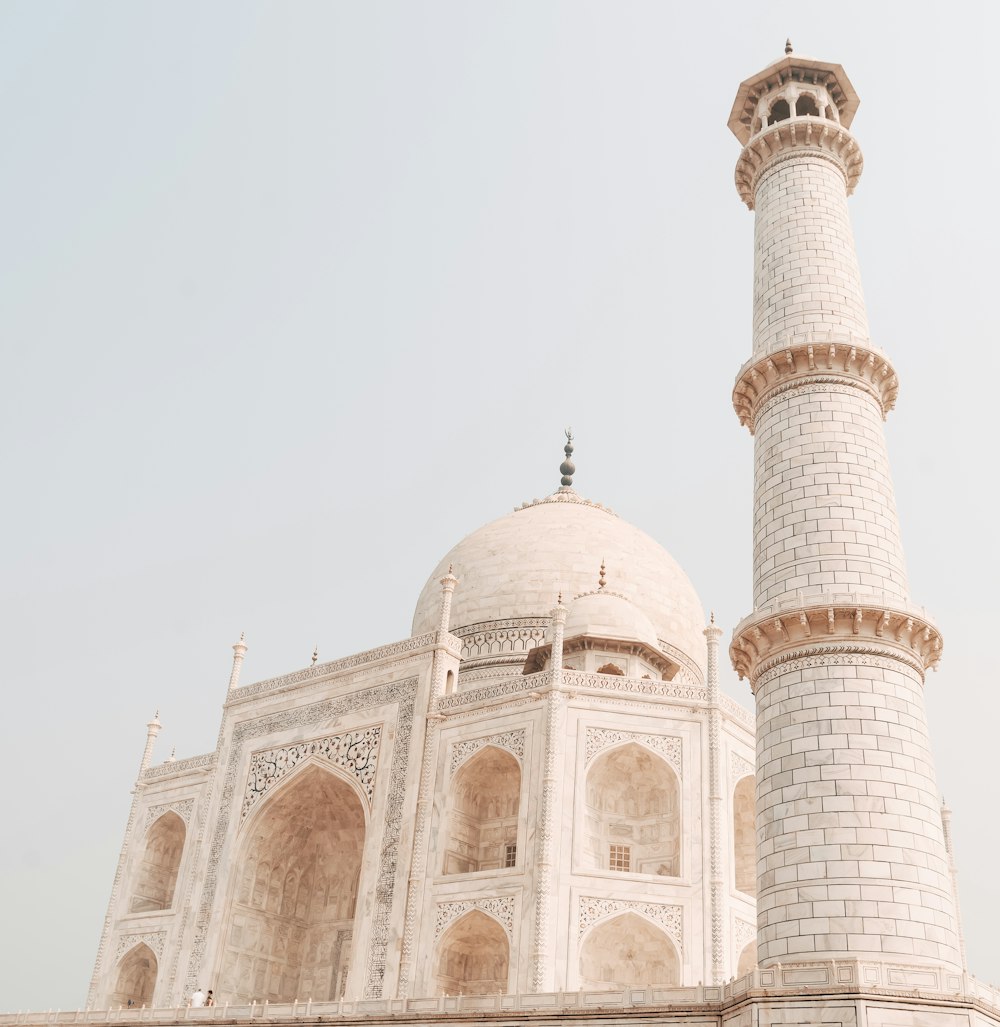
822	357
841	625
794	137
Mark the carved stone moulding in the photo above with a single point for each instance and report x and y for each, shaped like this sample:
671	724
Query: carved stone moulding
817	357
768	638
593	909
154	939
512	741
500	907
796	138
667	746
500	643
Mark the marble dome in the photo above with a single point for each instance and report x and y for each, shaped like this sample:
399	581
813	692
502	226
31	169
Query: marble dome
607	614
514	567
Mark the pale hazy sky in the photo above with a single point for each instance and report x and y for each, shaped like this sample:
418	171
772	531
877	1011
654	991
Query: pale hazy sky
296	295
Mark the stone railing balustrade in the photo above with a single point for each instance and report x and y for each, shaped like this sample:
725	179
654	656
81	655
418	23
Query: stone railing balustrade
832	976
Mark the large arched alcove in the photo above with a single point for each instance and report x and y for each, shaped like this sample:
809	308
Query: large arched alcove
157	873
633	813
136	978
482	822
748	959
628	951
744	840
291	913
473	957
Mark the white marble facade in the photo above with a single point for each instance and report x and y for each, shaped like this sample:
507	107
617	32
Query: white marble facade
542	789
525	795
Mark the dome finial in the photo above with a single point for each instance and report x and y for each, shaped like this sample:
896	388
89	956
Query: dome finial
788	46
602	580
567	468
315	655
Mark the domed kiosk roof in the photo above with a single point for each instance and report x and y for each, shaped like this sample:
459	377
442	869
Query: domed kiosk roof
607	614
514	567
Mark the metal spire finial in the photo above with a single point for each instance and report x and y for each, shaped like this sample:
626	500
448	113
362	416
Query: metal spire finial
788	46
315	655
711	618
567	468
602	580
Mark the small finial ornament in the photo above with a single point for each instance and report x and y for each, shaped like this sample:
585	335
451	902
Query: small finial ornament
559	599
711	617
602	580
315	655
567	468
172	758
788	46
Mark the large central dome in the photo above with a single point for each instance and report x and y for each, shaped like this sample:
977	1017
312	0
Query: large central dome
512	569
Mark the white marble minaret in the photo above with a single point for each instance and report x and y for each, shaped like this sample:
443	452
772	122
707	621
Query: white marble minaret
851	857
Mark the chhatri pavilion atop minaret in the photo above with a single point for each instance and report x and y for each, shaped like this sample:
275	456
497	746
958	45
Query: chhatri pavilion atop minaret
539	805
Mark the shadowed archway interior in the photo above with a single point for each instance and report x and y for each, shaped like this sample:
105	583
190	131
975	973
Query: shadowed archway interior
161	860
473	957
482	826
633	813
290	921
136	978
628	951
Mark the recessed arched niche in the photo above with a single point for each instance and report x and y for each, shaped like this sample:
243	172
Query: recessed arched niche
136	978
483	814
628	951
473	957
291	912
744	836
156	876
748	959
632	822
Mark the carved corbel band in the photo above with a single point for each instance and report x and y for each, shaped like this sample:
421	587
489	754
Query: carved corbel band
816	357
770	637
796	137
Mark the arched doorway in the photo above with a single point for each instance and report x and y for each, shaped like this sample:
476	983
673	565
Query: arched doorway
628	951
633	813
136	978
744	841
482	825
290	921
157	873
473	957
748	960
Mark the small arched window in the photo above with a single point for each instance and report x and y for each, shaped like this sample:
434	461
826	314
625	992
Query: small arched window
805	106
779	112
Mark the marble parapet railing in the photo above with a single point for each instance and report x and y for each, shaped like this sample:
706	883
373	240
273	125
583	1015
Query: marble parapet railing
171	767
522	685
823	977
359	661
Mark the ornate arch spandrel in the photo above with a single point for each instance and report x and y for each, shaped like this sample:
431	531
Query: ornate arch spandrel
400	694
667	747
